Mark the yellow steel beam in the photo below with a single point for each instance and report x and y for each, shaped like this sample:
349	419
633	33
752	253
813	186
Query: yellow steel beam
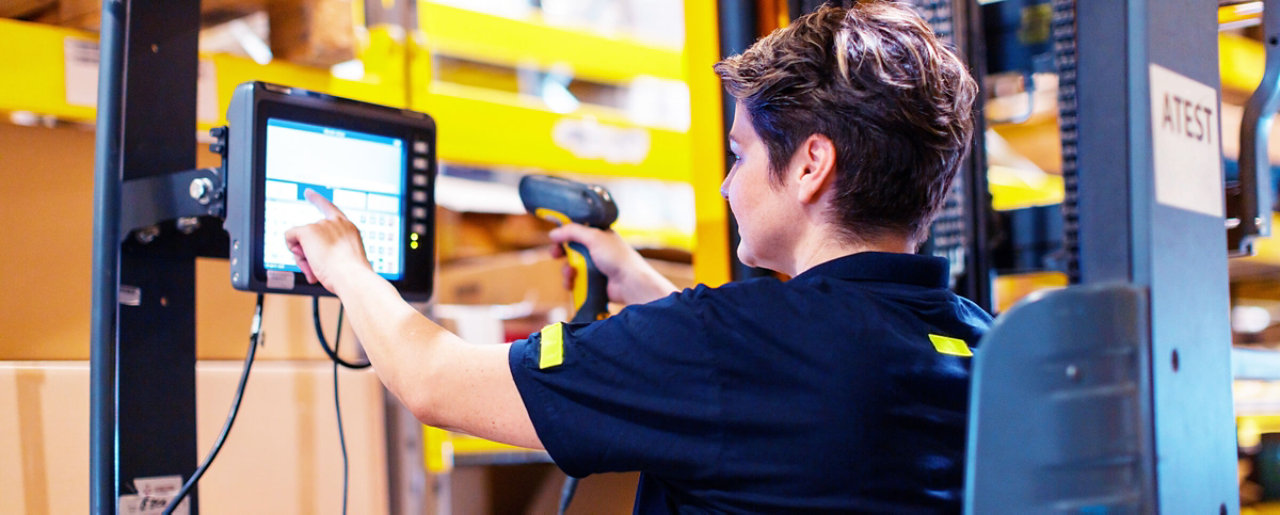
773	15
1009	289
385	57
1015	189
705	160
383	53
1240	12
32	72
1250	428
384	80
477	126
441	446
1240	61
483	127
231	71
495	39
384	88
1266	251
436	450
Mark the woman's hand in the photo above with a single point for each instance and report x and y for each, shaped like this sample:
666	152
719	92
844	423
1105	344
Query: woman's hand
330	250
631	279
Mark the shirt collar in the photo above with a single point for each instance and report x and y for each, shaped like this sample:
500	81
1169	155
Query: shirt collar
916	269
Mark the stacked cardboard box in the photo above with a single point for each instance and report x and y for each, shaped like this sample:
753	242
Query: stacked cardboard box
314	33
317	33
87	14
27	9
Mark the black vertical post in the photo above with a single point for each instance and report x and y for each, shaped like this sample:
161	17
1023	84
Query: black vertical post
106	247
975	283
143	343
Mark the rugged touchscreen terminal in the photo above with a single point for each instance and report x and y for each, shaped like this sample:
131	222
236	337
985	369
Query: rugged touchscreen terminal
375	163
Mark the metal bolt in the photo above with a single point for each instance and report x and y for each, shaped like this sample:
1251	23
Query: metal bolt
147	234
188	224
201	190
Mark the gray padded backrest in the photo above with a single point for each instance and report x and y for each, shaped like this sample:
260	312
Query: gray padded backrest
1055	424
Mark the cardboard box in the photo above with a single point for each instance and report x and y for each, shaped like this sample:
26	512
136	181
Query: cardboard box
87	14
506	278
282	456
46	314
25	8
478	235
528	275
314	33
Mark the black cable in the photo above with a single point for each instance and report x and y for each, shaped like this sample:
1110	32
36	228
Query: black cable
566	494
324	344
337	409
254	337
337	405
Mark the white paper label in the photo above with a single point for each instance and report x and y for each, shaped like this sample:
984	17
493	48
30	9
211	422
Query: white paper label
1186	142
207	92
129	295
80	62
154	493
279	280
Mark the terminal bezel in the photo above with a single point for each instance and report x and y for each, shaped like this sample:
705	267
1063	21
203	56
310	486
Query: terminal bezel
252	105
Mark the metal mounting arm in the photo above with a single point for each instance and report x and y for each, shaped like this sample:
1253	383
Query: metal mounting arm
1257	195
182	196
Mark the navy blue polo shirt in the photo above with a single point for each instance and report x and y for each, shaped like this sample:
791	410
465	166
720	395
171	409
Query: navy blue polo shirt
843	389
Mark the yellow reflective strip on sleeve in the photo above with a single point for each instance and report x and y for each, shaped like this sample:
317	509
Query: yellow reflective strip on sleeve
952	346
551	349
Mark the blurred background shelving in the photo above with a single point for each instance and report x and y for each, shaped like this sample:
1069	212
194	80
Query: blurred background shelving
610	91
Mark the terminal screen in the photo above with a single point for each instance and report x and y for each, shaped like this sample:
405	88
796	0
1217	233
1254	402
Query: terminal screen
361	173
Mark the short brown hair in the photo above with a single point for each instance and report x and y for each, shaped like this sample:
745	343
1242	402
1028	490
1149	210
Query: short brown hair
874	79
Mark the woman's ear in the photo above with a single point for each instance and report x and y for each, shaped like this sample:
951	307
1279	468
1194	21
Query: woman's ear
816	162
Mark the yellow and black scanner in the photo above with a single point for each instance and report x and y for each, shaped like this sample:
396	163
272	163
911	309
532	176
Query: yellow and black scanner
562	201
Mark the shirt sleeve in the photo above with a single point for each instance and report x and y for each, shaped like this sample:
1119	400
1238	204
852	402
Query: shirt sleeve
636	391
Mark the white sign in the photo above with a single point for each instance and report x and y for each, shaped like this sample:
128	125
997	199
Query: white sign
206	92
154	493
80	62
1185	138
